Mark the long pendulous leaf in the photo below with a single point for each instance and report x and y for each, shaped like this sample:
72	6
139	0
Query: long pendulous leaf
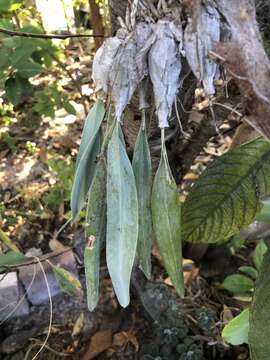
226	197
167	222
122	217
95	233
142	169
86	159
259	329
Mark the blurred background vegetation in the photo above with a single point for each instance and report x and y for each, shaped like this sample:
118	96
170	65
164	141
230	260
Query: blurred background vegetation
45	90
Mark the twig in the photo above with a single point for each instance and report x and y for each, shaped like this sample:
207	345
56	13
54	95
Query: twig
35	261
58	353
47	36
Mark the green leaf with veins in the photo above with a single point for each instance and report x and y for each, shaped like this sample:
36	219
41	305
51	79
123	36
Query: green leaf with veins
227	196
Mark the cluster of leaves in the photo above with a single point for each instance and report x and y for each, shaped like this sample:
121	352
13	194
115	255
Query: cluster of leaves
236	332
243	284
132	204
23	58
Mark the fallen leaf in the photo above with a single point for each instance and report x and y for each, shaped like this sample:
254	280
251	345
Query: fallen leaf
99	342
77	328
123	338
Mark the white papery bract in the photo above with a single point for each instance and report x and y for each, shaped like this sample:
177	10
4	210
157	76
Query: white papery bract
103	61
124	77
199	42
164	62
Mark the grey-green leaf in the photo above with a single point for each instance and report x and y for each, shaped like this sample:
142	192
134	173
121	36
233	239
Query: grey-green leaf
142	169
87	157
259	332
167	222
95	233
226	197
122	217
91	127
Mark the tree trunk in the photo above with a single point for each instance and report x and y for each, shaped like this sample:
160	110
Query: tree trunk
96	19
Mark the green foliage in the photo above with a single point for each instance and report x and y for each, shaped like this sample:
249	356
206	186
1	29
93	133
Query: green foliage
226	197
67	282
166	221
60	191
236	332
240	284
259	332
264	215
259	253
50	99
21	59
250	271
8	141
95	231
11	259
7	6
142	169
122	217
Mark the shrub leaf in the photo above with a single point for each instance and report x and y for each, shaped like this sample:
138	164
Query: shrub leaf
238	284
236	332
122	217
226	197
11	259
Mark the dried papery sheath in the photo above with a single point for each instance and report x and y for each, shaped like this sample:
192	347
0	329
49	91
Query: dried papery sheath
199	42
191	52
124	77
211	25
143	103
164	69
103	61
144	39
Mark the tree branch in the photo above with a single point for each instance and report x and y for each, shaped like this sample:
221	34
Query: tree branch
48	36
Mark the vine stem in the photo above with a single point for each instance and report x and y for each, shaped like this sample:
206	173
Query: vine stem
48	36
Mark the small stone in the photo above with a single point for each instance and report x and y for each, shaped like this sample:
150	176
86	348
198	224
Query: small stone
10	295
36	287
